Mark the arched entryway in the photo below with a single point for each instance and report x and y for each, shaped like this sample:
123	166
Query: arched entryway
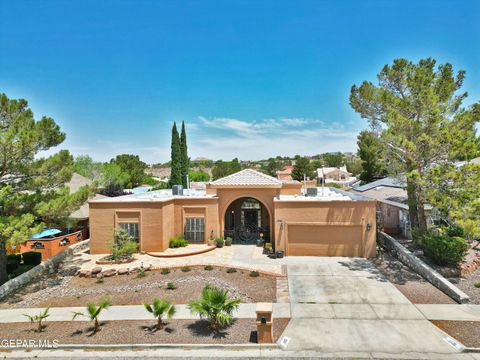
246	221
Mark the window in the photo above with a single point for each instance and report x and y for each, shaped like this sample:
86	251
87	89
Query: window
132	229
194	229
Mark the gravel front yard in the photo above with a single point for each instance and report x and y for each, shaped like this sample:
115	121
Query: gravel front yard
467	332
242	331
467	285
131	290
413	286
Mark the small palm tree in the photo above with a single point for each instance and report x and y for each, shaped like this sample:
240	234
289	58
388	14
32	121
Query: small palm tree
39	318
93	312
159	309
215	305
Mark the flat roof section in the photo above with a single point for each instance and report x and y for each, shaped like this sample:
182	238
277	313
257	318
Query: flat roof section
324	194
157	195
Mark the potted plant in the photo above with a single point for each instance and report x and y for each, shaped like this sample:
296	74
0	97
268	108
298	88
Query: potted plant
220	242
260	241
211	241
228	241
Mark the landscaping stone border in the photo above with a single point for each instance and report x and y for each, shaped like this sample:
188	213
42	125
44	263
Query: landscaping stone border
417	265
31	274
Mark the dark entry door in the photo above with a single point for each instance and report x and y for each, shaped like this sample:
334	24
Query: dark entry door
247	232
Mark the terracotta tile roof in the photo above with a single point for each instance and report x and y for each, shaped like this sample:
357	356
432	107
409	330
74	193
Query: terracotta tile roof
247	177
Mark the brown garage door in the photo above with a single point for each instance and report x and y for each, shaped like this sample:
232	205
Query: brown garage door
324	240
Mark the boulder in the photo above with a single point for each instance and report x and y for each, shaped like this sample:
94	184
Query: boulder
96	270
124	271
109	272
147	267
135	269
99	276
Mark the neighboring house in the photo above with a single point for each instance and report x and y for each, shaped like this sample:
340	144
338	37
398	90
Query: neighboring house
160	173
391	194
285	173
246	206
337	175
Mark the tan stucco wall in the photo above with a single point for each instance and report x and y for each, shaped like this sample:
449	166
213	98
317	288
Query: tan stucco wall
320	213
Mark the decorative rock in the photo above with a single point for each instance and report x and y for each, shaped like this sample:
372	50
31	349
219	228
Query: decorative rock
123	271
99	276
88	273
147	267
135	269
109	272
96	270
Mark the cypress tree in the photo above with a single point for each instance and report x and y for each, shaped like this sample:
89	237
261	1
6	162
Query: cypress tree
185	162
176	165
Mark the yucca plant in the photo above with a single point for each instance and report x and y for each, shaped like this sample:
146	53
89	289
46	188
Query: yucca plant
159	309
216	306
38	318
93	312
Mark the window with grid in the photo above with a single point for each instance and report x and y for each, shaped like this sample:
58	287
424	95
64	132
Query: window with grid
194	229
132	229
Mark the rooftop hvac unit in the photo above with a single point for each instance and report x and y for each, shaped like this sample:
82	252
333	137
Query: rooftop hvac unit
177	189
312	192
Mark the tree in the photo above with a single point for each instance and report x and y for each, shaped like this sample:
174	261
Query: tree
455	192
215	305
133	167
198	176
29	184
303	167
113	180
370	151
159	309
272	167
225	168
93	312
176	158
333	159
185	161
416	112
85	166
354	165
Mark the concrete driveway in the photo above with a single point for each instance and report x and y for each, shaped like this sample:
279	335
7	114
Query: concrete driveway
343	305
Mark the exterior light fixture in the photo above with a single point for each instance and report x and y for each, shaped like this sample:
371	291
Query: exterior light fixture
369	227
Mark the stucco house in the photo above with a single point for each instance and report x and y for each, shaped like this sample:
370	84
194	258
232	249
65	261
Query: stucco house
337	175
296	220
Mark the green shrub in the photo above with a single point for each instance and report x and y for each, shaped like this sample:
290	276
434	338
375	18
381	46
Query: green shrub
445	250
22	268
122	245
165	271
171	286
141	274
12	265
477	285
32	258
15	257
208	268
178	242
254	273
231	270
186	269
455	230
219	242
100	281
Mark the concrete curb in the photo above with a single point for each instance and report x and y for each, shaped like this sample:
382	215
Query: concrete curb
28	276
166	346
417	265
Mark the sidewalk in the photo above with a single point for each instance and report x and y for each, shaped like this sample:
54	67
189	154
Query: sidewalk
131	312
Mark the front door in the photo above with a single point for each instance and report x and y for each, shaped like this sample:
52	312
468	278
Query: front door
247	232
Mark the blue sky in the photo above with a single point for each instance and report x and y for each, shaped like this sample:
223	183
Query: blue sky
251	79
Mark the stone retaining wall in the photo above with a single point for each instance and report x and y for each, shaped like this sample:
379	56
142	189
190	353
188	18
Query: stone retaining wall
30	275
417	265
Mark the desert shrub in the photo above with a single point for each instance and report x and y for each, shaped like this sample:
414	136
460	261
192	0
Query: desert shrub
186	269
32	258
171	286
177	242
231	270
100	281
165	271
445	250
208	268
477	285
122	245
254	273
141	274
12	265
219	242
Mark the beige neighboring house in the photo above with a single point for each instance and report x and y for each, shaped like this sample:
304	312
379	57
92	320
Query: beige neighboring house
337	175
82	215
245	206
